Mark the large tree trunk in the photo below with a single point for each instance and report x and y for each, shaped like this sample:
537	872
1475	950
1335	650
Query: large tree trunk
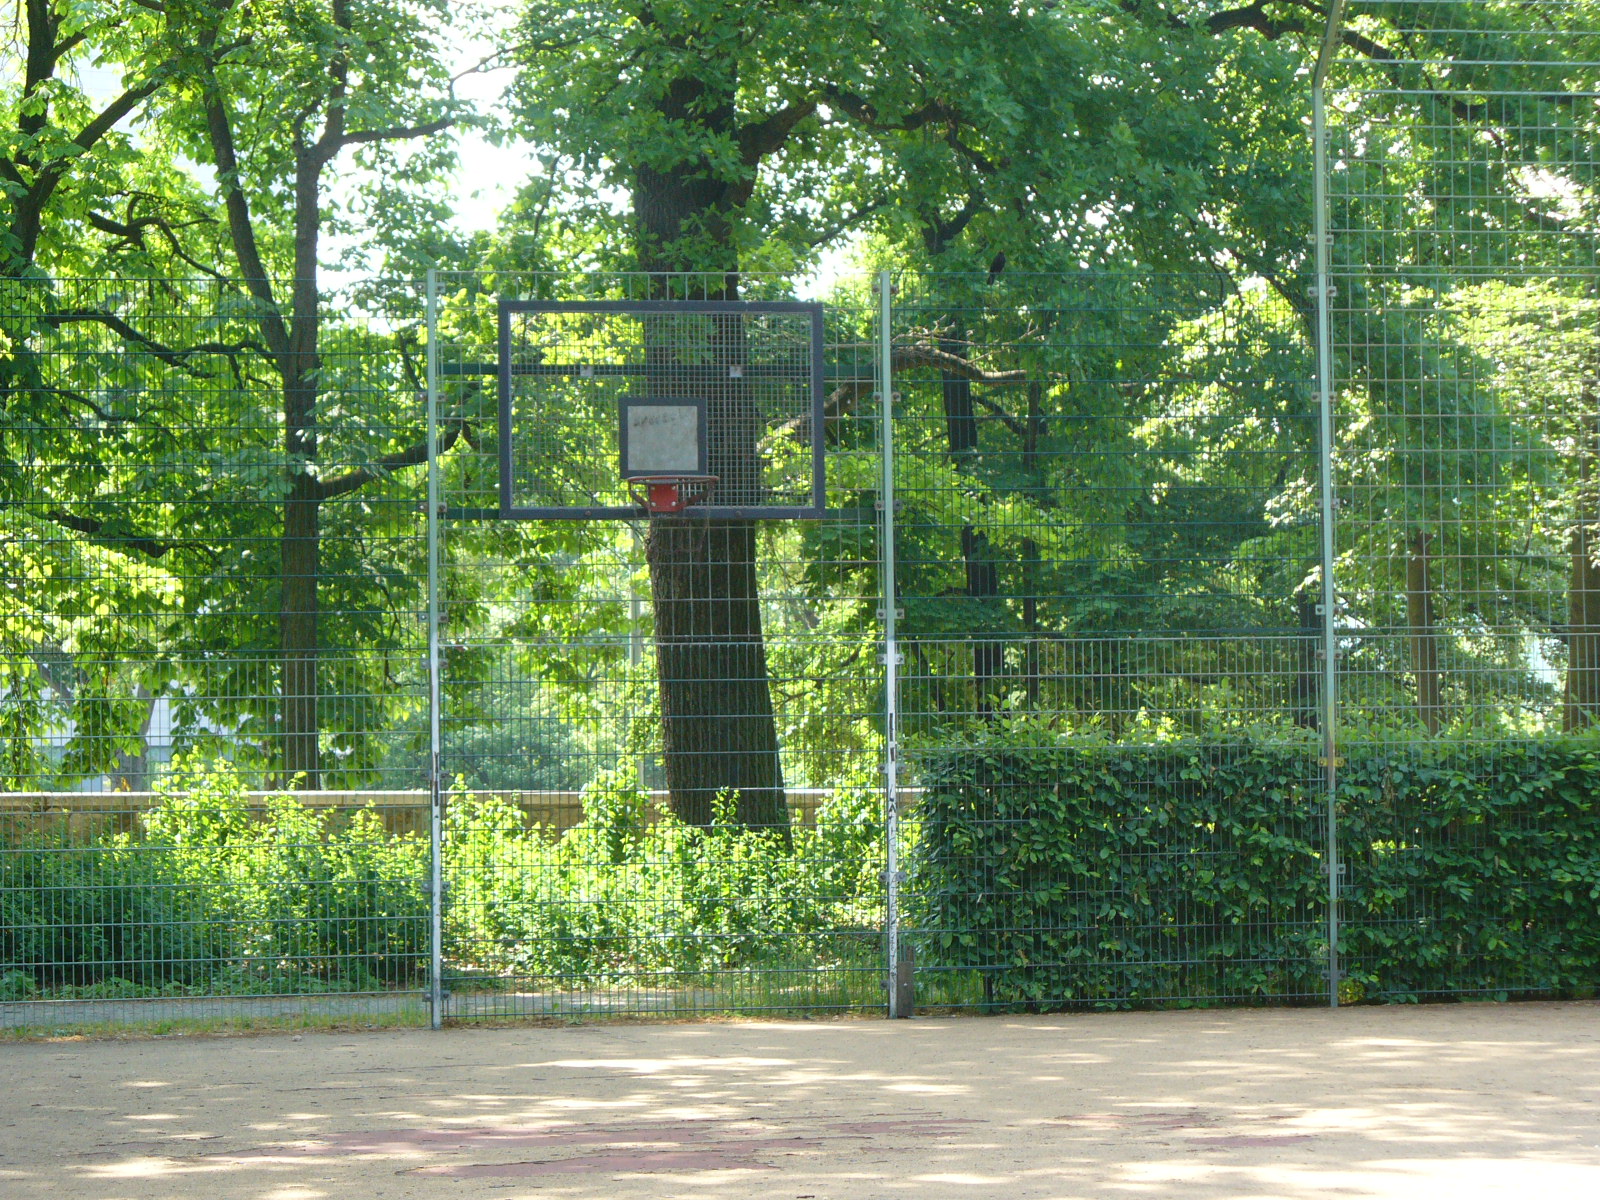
1307	675
1030	619
300	561
717	726
982	573
1581	706
718	731
988	646
300	565
1420	634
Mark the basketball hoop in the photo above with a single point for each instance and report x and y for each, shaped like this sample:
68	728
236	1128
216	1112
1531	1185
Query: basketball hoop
663	495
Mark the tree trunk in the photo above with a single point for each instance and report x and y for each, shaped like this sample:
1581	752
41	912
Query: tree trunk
1420	633
299	570
297	632
717	726
982	574
1030	619
133	769
1307	676
1581	705
988	648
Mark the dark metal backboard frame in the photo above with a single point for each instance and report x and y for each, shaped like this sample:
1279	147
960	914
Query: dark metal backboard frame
510	510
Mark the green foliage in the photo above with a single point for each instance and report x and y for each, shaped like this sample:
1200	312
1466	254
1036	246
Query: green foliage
212	895
209	895
620	898
84	915
1077	873
1080	873
1471	869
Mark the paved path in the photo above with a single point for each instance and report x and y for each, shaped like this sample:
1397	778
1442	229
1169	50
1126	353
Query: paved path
1451	1101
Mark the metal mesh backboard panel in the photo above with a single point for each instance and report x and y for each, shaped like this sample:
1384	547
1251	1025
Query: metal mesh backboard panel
569	369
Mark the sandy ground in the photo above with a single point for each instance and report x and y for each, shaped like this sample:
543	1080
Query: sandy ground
1449	1101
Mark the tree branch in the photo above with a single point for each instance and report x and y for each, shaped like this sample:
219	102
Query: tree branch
411	456
124	104
100	411
939	233
94	528
241	228
331	140
1253	16
132	232
170	355
395	133
982	162
758	139
863	112
842	400
828	233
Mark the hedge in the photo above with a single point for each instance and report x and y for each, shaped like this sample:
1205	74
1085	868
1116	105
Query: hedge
1068	872
209	895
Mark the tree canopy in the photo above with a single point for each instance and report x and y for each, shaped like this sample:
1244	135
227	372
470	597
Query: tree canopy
213	348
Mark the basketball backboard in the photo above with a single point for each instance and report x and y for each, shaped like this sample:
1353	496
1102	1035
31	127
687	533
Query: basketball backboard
661	435
596	393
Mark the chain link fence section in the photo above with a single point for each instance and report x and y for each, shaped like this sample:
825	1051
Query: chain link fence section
212	692
701	689
1460	294
1080	756
1110	686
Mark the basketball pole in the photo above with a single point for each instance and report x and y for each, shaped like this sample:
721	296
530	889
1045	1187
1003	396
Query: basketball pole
891	654
1329	714
435	790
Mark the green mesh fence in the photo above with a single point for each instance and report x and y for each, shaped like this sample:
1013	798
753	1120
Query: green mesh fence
1221	636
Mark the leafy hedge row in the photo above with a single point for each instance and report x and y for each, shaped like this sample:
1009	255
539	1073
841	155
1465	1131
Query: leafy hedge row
213	896
620	898
1070	873
1060	872
1471	869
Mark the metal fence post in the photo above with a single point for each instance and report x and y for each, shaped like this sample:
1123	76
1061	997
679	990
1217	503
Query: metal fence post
435	791
1330	672
898	989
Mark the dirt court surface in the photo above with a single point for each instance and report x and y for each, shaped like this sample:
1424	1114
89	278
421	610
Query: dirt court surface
1451	1101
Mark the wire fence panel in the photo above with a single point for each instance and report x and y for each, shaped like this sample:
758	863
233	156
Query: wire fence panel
1463	260
695	693
1110	683
211	687
1160	639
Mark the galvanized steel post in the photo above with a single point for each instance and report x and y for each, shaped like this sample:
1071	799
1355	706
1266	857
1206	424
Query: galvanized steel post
1324	297
435	790
891	650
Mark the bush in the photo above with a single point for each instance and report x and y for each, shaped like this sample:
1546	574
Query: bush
620	897
209	896
80	916
1471	870
1077	873
1070	872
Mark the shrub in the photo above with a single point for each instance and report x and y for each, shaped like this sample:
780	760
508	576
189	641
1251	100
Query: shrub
1471	869
622	898
211	896
1080	873
1072	872
80	916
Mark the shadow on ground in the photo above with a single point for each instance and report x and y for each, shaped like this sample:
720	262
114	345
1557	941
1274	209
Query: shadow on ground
1460	1100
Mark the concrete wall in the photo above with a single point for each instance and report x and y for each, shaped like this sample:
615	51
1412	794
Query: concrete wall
77	816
